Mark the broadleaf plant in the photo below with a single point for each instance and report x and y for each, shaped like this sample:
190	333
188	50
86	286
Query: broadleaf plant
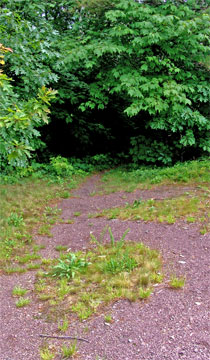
19	120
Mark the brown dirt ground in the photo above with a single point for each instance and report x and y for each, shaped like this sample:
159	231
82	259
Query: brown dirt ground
171	324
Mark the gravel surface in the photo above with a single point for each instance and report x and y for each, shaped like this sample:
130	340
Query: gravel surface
171	324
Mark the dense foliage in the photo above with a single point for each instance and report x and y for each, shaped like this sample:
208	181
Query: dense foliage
132	76
19	120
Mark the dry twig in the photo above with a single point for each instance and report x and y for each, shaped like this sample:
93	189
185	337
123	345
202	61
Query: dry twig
63	337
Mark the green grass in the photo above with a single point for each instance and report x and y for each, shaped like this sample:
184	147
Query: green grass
144	293
116	270
188	173
77	213
61	248
26	204
193	206
63	325
177	282
14	269
46	354
18	291
69	351
21	302
108	318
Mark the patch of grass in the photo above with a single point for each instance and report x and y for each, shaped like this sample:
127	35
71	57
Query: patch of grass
108	318
63	194
193	207
82	310
21	302
63	325
203	231
61	248
25	204
36	247
19	291
46	297
51	215
144	293
46	261
45	230
77	213
177	282
33	266
112	271
52	211
14	269
192	172
46	354
70	221
63	288
27	258
156	278
116	265
191	219
69	351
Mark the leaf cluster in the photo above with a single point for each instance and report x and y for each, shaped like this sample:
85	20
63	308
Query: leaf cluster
68	267
18	119
143	64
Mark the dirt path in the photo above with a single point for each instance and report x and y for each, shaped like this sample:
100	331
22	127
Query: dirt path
172	324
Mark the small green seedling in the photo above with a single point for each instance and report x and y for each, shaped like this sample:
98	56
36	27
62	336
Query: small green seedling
108	318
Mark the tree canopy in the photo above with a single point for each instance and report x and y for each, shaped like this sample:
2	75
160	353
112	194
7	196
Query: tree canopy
133	75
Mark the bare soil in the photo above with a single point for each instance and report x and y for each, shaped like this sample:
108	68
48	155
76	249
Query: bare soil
171	324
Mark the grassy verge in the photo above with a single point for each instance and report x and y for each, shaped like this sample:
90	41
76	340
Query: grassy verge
27	204
189	173
192	207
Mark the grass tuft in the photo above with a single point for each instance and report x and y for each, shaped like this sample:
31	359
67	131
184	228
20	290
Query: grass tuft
19	291
69	351
177	282
22	302
46	354
144	293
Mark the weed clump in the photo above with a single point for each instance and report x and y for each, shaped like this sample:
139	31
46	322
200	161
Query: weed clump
177	282
85	281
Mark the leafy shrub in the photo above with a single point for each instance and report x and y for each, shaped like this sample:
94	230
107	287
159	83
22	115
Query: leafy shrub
61	166
19	120
97	162
145	150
